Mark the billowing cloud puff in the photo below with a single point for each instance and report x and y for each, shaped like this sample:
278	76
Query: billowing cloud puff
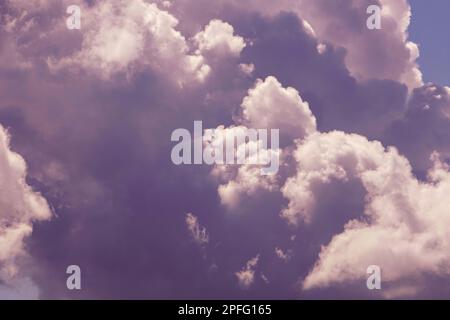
218	38
269	105
321	158
404	229
243	179
124	35
246	276
343	23
19	207
247	181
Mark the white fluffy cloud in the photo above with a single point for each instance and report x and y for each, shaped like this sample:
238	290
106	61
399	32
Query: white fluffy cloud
218	38
370	54
246	276
19	207
116	38
405	229
367	55
122	36
246	182
269	105
242	180
321	158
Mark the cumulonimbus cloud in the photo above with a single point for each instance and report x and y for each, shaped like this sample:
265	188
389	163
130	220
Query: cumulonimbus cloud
319	70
